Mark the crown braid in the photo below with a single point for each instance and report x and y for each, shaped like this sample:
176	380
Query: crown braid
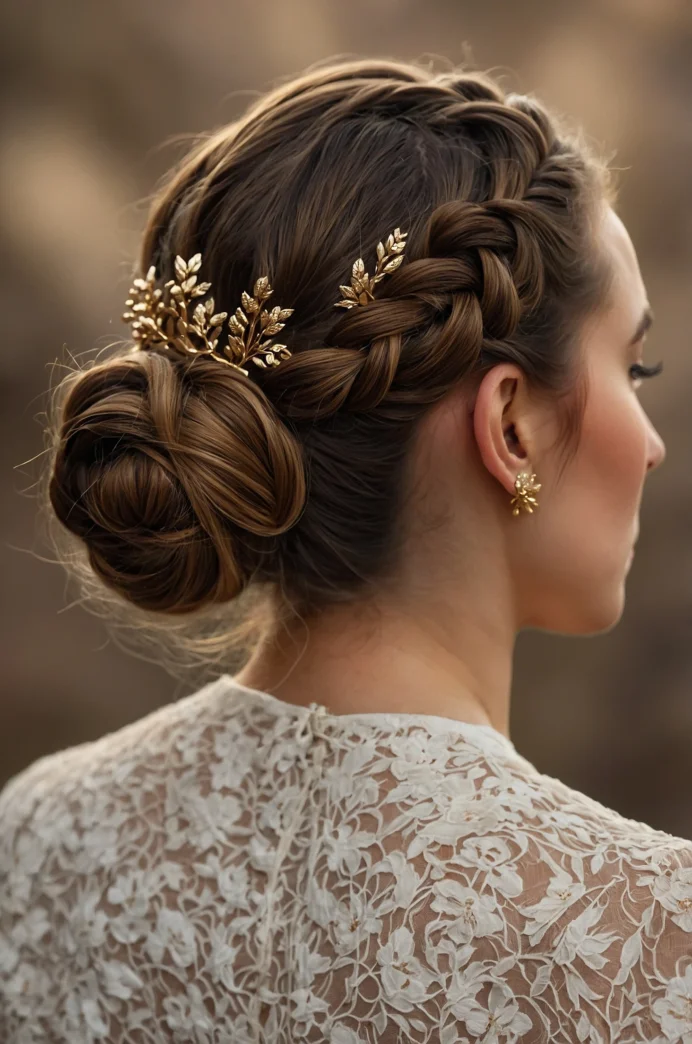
189	482
474	270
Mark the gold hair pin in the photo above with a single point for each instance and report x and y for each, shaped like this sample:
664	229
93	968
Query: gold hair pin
168	317
389	257
165	318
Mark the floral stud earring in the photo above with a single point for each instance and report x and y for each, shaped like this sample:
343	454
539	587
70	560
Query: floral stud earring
526	487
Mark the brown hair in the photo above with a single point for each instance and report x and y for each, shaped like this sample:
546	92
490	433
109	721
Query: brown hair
189	483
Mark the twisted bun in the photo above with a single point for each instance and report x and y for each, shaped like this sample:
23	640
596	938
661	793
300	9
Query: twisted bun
174	476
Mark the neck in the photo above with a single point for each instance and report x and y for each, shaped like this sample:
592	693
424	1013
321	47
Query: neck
381	657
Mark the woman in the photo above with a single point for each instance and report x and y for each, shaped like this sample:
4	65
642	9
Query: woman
340	842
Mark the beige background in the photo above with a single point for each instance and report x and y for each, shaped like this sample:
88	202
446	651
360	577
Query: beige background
91	91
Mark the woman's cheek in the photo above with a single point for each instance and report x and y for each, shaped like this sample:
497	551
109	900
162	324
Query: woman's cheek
614	441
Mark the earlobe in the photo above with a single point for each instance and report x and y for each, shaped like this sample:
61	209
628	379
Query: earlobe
495	426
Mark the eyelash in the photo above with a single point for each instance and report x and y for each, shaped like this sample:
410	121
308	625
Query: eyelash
638	371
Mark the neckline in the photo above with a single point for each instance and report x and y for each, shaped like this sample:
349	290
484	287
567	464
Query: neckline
433	722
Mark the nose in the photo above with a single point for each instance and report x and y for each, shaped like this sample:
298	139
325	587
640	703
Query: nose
657	449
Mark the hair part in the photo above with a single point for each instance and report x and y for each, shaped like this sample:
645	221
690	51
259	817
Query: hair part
191	486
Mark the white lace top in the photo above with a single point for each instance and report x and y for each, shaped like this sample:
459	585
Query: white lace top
235	869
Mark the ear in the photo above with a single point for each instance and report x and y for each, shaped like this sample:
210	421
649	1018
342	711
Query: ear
501	423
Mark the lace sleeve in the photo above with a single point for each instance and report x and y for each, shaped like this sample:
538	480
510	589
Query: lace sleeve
564	944
497	906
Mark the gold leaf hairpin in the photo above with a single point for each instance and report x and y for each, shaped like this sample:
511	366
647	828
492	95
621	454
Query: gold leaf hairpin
166	317
389	257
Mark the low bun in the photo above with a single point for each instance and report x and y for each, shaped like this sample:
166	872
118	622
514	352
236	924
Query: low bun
175	475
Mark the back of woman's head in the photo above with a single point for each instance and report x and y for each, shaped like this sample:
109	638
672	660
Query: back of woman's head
189	481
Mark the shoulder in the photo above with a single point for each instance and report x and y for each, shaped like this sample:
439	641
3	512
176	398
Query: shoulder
540	845
487	898
89	836
106	849
473	781
89	788
555	910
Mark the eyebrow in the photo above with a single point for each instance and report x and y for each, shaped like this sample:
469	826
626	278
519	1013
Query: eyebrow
643	325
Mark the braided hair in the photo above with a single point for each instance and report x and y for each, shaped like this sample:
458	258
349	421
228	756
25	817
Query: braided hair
188	483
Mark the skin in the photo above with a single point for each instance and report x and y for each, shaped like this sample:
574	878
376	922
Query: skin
440	637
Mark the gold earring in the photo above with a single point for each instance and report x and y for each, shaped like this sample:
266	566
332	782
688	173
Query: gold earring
526	487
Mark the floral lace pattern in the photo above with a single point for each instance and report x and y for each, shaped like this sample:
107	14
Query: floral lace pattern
232	869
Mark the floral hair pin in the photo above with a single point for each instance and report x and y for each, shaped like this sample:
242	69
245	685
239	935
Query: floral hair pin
167	317
170	319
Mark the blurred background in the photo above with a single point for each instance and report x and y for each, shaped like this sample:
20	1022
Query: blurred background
92	92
